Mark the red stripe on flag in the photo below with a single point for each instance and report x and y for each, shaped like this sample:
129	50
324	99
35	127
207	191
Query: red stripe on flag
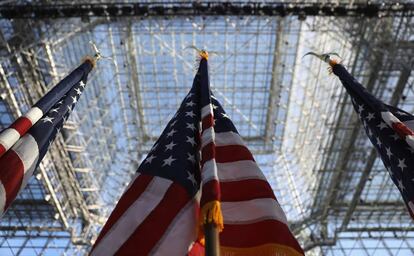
207	152
232	153
2	150
401	129
127	199
22	125
259	233
244	190
225	154
11	175
207	122
154	226
210	192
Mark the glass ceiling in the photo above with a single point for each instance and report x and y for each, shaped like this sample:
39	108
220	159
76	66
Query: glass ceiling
294	116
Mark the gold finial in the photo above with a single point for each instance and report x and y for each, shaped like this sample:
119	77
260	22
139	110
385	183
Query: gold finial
90	59
327	57
203	54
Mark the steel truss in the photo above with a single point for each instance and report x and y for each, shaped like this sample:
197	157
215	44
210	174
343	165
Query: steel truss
207	8
295	118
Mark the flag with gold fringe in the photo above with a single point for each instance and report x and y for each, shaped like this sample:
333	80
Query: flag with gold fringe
196	175
25	142
390	129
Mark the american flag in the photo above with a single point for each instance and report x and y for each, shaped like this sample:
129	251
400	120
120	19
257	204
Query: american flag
25	142
390	131
158	214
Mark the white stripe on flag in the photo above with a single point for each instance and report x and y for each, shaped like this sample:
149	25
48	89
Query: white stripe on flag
389	118
8	137
28	151
2	198
239	170
209	171
132	217
206	110
181	233
244	212
34	114
228	138
207	136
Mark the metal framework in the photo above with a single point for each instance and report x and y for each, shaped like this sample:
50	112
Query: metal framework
296	119
208	8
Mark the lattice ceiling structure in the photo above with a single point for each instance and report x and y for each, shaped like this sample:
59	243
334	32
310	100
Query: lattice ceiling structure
295	117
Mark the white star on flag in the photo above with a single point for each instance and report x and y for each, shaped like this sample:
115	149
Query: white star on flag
78	91
370	116
170	146
47	119
74	100
171	133
149	159
190	114
191	126
190	140
401	164
190	158
54	110
190	104
82	84
378	142
382	125
400	185
191	178
173	123
168	161
360	108
389	153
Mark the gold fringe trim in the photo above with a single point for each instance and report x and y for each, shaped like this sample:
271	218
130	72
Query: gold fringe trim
211	213
90	59
262	250
333	62
203	54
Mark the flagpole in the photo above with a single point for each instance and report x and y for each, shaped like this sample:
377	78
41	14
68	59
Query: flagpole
211	239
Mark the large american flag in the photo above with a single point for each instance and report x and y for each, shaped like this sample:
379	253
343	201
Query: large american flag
25	142
390	131
158	214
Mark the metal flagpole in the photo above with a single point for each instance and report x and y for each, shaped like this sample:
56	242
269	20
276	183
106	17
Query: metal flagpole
211	239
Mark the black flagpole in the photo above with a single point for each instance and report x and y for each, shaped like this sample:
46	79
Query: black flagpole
211	239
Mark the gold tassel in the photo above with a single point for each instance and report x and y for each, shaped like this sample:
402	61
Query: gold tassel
203	54
211	213
90	59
